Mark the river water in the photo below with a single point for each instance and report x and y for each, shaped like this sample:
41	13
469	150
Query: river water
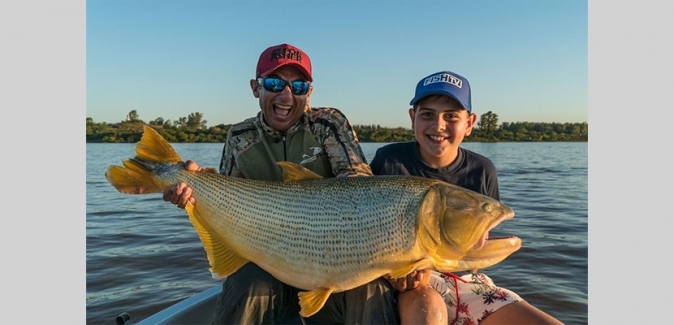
143	254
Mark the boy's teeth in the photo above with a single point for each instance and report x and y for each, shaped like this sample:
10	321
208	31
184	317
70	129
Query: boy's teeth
436	138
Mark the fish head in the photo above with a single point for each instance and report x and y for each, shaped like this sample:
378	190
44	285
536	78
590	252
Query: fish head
456	224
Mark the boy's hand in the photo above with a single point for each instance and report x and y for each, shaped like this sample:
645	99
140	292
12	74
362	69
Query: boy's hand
180	193
408	282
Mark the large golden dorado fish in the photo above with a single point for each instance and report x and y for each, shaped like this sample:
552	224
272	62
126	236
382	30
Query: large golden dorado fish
324	235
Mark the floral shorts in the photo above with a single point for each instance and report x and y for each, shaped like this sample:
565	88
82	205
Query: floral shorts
471	297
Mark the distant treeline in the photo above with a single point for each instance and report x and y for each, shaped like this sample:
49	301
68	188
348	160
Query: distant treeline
193	129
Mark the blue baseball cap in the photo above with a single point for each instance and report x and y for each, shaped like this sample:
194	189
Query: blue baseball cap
444	83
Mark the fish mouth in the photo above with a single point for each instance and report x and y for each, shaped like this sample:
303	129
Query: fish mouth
494	249
503	216
497	247
485	249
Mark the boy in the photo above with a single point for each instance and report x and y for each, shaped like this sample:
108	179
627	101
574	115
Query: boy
442	117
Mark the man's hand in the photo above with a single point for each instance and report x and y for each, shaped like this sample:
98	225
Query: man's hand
181	193
408	282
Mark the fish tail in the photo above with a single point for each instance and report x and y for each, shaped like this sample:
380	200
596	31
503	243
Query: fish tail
133	178
136	177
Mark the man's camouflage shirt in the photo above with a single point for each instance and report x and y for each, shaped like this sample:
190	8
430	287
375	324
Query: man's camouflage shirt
322	141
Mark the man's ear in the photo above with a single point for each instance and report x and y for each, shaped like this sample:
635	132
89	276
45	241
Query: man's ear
255	87
307	106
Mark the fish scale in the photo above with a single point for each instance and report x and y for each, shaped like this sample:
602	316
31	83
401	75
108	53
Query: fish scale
324	235
326	228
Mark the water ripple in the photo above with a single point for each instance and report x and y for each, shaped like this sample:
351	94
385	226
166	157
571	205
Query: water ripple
144	255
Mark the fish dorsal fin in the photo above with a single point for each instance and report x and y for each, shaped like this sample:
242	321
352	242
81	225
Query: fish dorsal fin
223	260
152	147
295	172
312	301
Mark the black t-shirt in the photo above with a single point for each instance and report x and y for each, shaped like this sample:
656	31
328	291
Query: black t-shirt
470	170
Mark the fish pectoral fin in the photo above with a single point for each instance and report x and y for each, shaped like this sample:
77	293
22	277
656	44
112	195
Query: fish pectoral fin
403	271
222	259
312	301
295	172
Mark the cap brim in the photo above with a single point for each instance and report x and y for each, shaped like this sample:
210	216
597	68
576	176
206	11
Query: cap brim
418	97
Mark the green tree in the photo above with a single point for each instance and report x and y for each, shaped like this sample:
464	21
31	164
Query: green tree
158	121
193	129
195	121
488	124
181	122
133	116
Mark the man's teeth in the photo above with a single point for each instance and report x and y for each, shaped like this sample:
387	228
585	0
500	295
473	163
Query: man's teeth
283	111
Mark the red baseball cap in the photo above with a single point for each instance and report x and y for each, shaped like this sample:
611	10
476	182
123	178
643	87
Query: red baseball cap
281	55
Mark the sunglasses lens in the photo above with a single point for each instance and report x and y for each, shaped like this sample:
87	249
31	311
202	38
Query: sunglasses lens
298	87
274	84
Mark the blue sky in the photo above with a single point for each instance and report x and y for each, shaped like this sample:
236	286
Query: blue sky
526	60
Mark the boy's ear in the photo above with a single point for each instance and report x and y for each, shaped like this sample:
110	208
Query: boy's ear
412	116
472	118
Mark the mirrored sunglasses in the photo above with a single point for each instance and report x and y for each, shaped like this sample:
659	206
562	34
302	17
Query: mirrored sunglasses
275	84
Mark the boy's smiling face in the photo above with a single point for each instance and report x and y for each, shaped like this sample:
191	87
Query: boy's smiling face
440	124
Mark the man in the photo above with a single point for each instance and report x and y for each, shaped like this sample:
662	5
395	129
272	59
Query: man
320	139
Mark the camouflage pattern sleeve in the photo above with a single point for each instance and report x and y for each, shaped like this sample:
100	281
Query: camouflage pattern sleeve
227	162
340	143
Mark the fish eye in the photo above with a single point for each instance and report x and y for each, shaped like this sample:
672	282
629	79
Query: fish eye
487	207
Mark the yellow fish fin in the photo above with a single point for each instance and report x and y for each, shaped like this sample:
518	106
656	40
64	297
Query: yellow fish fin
403	271
312	301
132	179
223	260
295	172
152	147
